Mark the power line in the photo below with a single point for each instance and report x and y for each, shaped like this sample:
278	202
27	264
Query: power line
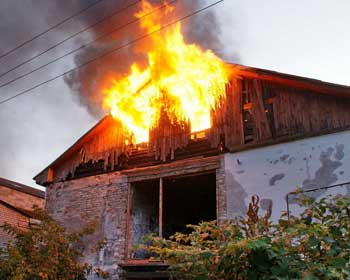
49	29
85	45
70	37
111	51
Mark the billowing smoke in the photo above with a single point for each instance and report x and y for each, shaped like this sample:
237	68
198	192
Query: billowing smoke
22	20
27	121
87	82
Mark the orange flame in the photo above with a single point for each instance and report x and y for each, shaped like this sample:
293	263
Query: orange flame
187	79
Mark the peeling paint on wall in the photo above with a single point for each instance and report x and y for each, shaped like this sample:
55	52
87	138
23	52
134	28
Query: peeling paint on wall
266	203
339	154
235	197
276	178
284	158
273	171
325	175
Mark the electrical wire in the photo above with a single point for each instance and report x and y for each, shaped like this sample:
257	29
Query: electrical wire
85	45
70	37
49	29
112	51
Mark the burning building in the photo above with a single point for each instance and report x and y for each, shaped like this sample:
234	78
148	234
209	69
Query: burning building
191	138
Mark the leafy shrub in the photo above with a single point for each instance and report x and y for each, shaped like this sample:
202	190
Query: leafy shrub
45	251
314	245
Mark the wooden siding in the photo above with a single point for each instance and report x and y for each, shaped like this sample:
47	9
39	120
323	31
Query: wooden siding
99	152
299	112
254	111
166	137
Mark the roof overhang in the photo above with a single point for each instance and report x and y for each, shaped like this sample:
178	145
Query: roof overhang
290	80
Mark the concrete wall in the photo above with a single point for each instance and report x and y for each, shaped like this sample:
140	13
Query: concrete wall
97	198
273	171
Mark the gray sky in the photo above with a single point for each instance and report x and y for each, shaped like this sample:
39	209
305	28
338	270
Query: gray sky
307	38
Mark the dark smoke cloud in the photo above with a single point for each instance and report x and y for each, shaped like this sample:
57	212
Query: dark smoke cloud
36	127
22	20
201	29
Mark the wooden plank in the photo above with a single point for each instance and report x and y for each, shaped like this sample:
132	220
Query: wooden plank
166	136
302	112
277	111
336	111
346	113
263	130
282	113
269	96
234	133
315	118
287	112
50	175
176	168
293	112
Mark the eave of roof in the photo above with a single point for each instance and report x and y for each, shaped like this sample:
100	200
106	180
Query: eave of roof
100	125
21	188
292	80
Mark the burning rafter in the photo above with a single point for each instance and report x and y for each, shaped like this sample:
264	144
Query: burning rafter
180	79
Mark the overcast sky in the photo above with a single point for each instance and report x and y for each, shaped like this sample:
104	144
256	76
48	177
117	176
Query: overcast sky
307	38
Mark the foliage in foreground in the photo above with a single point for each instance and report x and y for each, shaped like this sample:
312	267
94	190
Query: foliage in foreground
45	251
314	245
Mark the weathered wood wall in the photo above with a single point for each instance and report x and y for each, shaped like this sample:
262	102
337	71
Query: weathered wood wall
102	148
300	112
277	112
254	111
166	137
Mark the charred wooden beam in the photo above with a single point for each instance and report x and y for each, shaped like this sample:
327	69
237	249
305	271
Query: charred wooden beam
167	136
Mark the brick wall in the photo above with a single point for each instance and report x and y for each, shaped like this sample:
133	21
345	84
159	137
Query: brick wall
102	199
16	199
221	205
13	218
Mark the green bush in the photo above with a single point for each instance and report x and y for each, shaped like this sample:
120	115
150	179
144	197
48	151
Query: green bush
44	251
314	245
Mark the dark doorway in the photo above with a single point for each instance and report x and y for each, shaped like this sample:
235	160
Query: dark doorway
144	213
188	200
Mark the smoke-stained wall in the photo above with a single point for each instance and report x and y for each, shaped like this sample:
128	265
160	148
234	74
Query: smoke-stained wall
273	171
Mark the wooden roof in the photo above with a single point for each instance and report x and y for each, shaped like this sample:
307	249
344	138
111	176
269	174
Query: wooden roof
291	80
102	124
313	85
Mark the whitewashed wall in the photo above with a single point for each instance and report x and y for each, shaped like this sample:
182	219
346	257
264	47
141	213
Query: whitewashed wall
273	171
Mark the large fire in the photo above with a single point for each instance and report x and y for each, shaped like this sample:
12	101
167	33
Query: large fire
181	79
